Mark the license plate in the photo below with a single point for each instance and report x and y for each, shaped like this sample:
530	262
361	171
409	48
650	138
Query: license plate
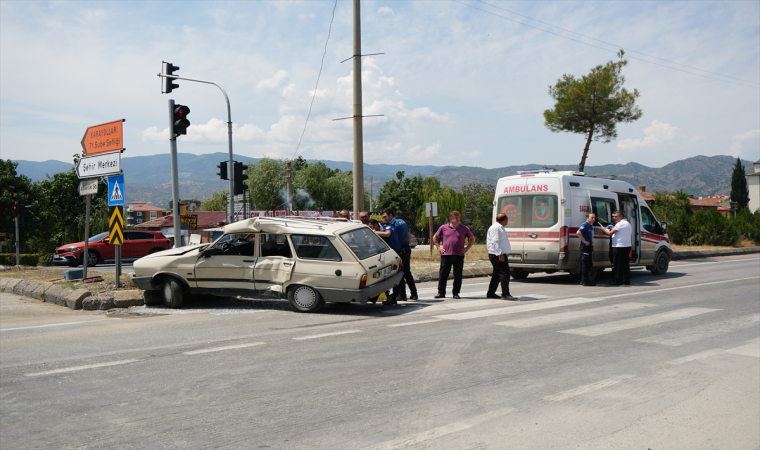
515	257
385	271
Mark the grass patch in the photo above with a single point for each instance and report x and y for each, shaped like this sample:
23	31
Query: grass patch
56	277
422	261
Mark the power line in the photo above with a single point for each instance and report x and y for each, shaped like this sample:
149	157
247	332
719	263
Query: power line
329	30
605	49
615	45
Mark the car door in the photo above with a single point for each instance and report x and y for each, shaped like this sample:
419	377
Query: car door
651	235
603	204
274	264
128	247
630	205
226	272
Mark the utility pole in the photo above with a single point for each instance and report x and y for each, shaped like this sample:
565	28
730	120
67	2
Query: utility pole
175	178
371	195
289	179
358	134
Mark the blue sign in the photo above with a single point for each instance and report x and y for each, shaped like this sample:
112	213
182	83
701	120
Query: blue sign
116	190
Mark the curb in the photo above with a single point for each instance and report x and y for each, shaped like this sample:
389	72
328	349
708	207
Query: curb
421	277
70	298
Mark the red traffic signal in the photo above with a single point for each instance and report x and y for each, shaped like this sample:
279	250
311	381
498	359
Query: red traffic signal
15	209
180	119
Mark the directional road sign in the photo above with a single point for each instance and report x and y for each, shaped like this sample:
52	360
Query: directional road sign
103	138
116	190
87	187
116	225
99	165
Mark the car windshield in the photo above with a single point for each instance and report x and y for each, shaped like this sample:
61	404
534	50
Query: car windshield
364	243
98	237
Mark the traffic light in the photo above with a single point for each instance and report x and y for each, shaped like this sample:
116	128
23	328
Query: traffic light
15	209
240	177
180	119
26	215
222	166
169	83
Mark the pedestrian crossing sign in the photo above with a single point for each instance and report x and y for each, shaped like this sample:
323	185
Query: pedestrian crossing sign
116	190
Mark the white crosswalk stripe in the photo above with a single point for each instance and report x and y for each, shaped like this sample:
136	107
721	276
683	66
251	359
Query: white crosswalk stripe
697	333
518	308
638	322
572	315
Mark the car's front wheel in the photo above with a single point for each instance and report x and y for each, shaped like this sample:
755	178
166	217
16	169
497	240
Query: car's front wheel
172	293
92	258
661	264
153	298
305	299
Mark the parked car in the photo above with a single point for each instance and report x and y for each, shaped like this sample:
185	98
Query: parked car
307	261
136	245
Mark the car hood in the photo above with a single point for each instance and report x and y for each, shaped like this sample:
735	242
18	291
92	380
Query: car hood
75	244
175	251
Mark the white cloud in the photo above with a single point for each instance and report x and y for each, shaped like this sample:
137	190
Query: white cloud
417	153
659	136
385	11
215	130
737	146
472	154
272	83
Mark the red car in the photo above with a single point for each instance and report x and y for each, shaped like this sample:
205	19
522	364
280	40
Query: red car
136	245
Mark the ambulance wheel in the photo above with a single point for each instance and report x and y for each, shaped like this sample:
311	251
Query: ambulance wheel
661	263
520	274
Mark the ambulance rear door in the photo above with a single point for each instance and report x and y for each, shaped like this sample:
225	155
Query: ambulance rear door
509	201
541	210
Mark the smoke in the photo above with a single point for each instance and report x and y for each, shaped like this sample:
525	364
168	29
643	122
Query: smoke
302	201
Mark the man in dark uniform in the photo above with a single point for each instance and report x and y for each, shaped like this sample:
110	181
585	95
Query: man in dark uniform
586	235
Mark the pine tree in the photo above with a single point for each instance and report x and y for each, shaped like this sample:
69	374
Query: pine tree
739	189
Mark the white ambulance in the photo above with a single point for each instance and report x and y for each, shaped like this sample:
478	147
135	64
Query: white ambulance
546	208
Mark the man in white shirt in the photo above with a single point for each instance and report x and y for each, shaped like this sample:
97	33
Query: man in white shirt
498	253
621	249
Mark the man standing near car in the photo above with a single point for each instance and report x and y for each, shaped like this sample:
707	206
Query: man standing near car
621	249
452	251
586	235
390	238
498	253
402	233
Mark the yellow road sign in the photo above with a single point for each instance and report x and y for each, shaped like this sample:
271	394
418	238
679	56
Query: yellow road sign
116	225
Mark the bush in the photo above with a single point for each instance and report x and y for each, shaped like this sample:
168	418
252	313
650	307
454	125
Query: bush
26	259
747	224
713	228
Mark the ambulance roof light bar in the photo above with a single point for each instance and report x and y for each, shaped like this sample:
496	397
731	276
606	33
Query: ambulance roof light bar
523	172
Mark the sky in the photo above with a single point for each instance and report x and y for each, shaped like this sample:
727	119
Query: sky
461	83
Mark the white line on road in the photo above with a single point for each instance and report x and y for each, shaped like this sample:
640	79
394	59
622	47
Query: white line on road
697	356
647	292
715	262
519	308
53	325
413	323
587	388
697	333
572	315
752	348
444	430
219	349
316	336
638	322
89	366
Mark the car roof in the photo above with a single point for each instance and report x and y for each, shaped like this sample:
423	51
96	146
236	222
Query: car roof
292	225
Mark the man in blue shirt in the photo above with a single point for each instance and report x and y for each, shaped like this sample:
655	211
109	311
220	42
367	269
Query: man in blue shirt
586	235
390	238
401	230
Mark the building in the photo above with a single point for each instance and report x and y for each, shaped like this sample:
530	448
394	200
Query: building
139	212
753	183
207	228
718	203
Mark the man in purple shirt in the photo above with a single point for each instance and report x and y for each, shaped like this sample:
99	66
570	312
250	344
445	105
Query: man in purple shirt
452	252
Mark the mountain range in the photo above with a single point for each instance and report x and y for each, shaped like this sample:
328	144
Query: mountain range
148	178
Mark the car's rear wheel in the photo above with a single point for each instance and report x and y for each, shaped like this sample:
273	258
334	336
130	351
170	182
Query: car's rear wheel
520	274
153	298
661	264
172	293
305	299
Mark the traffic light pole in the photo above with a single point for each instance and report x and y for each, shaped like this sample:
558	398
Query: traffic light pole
175	178
231	205
18	243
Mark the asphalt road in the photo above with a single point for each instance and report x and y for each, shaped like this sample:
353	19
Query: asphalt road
669	363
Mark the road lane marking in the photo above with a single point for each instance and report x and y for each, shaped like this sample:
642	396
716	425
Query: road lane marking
715	262
443	307
572	315
517	308
697	356
647	292
752	348
89	366
54	325
444	430
413	323
316	336
585	389
219	349
638	322
697	333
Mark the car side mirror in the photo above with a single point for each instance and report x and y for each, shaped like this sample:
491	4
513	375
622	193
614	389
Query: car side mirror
210	252
664	226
